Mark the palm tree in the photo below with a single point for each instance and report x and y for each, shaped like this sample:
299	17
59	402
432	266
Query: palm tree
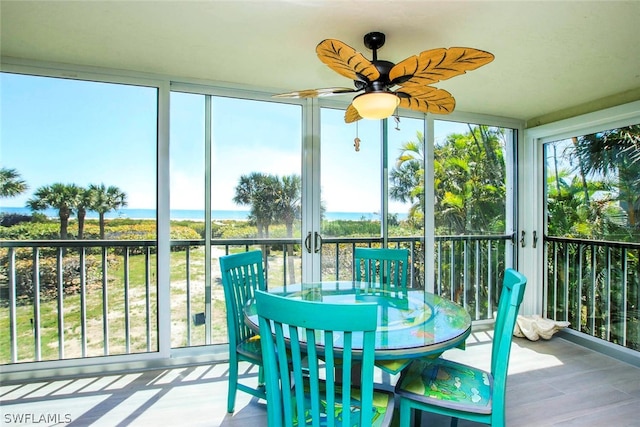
453	194
288	210
57	196
259	191
105	199
407	177
287	201
11	184
570	210
615	152
470	181
469	185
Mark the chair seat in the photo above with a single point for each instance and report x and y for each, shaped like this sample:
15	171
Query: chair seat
382	411
447	384
251	350
460	391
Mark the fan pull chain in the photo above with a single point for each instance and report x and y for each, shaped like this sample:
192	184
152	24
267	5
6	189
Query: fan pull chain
356	140
396	117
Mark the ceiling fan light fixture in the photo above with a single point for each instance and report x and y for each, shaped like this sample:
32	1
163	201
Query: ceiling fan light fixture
376	105
387	85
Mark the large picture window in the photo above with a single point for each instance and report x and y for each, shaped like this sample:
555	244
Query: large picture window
473	212
78	177
592	217
253	172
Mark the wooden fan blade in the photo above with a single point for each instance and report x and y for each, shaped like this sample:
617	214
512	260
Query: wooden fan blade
344	60
351	115
438	64
426	99
314	93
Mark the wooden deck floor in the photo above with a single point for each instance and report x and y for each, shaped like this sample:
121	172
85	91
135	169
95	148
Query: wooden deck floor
551	383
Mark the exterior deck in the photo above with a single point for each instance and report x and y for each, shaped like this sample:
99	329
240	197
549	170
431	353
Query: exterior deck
551	383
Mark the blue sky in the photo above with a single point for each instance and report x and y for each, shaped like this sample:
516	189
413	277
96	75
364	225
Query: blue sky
56	130
68	131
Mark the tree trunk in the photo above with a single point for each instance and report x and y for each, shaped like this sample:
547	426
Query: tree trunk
631	212
64	224
101	225
81	215
583	173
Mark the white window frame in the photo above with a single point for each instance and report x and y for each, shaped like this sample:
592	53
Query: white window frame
532	186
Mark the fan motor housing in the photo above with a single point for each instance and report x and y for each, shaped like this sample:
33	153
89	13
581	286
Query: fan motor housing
382	83
384	67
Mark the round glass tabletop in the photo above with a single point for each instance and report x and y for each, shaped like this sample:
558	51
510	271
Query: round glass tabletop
410	325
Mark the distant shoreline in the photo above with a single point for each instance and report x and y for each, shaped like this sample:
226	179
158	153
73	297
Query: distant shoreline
192	214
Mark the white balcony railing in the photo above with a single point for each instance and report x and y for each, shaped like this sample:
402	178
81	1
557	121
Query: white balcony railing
595	285
78	299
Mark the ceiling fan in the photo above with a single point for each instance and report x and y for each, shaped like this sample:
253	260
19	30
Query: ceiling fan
386	85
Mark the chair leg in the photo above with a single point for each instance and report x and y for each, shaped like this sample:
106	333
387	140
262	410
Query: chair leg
405	414
260	376
454	422
233	385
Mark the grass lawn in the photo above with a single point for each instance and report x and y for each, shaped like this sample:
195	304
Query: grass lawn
116	314
133	303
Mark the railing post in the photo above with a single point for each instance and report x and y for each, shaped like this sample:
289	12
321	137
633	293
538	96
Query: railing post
127	323
188	292
60	280
579	299
465	270
36	304
625	296
284	264
147	285
477	278
490	281
593	290
105	301
452	270
607	285
83	301
439	269
13	324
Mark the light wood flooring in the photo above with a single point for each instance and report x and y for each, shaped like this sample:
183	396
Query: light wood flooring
551	383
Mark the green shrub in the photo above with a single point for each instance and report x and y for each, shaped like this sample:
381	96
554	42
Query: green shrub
181	232
237	230
48	278
197	226
31	231
350	228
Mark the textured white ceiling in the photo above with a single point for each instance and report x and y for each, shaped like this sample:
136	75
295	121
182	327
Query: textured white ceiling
550	55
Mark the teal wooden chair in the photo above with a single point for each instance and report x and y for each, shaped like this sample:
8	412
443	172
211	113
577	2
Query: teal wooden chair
242	274
308	380
460	391
387	268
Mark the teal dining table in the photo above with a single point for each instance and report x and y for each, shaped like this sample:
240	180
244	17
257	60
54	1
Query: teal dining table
411	324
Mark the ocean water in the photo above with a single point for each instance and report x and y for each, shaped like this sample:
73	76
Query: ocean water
192	214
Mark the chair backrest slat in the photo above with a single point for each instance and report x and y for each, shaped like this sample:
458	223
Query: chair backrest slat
387	268
512	293
335	334
242	274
